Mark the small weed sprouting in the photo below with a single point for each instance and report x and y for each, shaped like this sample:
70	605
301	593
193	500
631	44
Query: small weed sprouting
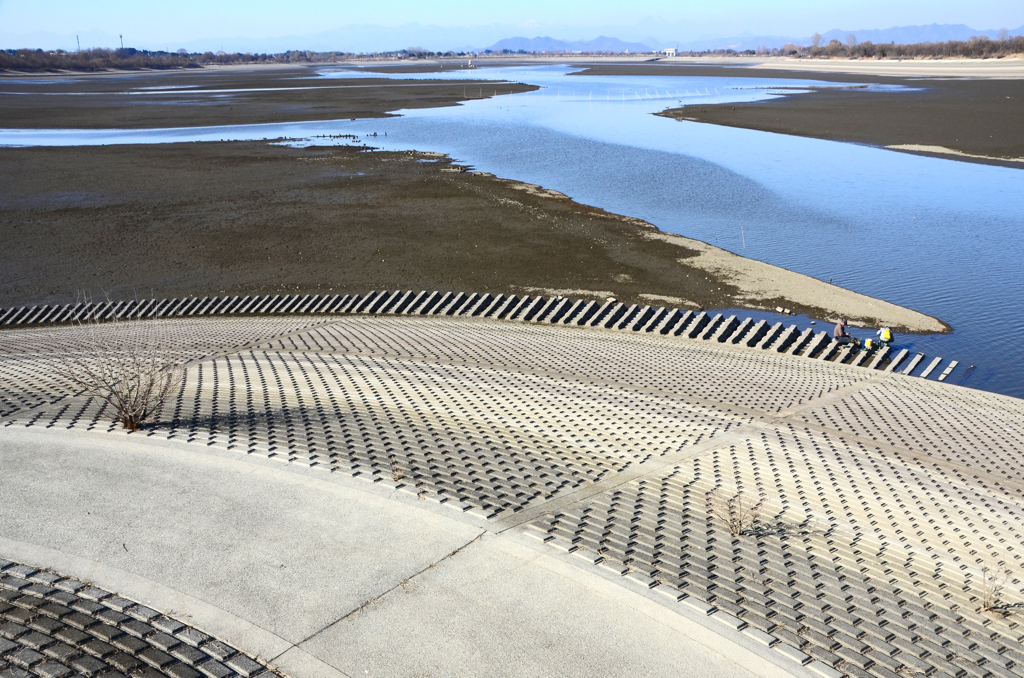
397	473
760	578
408	584
992	585
740	512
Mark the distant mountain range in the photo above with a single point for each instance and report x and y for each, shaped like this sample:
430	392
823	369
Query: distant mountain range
598	44
899	34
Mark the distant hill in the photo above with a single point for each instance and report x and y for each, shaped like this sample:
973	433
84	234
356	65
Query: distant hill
546	44
911	34
899	34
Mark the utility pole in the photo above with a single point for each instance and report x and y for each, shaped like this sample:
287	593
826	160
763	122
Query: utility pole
79	43
122	40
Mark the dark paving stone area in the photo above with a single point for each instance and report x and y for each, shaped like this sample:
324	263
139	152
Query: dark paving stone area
59	627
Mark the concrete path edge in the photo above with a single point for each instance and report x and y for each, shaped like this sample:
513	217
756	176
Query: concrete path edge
248	637
757	660
296	662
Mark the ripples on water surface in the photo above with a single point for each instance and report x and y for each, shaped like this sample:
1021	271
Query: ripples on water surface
939	236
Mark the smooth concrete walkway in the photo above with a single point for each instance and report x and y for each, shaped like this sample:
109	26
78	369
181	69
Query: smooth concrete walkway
320	576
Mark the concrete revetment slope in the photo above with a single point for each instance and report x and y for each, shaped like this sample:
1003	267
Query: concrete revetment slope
881	533
552	310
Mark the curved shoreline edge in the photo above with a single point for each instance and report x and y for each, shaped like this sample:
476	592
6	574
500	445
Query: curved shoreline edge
759	281
411	219
940	119
763	286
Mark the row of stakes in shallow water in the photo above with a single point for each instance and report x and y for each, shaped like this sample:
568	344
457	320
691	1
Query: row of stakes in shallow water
631	94
669	322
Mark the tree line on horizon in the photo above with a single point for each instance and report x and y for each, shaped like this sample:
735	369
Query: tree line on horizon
977	47
129	58
100	59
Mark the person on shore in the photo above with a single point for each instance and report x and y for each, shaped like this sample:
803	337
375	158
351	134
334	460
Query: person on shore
884	336
840	334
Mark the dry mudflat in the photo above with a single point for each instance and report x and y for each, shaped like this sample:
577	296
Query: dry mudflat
218	96
968	111
256	217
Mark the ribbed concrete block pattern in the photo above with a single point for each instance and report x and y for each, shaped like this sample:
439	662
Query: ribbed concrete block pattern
494	438
692	370
28	357
977	429
864	558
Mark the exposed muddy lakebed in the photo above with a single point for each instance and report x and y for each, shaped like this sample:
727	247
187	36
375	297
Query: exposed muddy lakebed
939	236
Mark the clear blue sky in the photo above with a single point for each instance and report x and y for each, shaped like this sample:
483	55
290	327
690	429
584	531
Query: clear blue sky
147	22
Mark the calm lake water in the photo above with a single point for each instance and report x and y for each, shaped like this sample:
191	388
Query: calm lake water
939	236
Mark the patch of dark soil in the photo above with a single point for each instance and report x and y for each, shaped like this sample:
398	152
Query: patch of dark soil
191	98
252	218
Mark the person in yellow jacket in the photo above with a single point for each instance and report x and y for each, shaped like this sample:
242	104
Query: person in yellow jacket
884	336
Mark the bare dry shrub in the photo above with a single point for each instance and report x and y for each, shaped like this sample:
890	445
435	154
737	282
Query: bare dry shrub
130	364
740	512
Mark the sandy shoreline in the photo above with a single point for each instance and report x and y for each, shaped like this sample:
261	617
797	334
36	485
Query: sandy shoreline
901	68
759	283
1008	67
